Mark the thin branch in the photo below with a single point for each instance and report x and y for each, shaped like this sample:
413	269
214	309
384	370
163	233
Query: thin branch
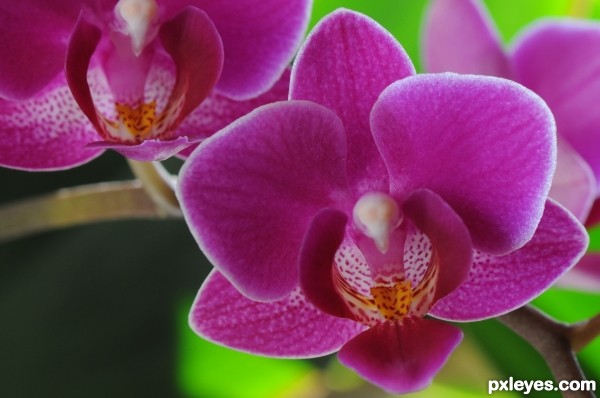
76	206
158	183
550	339
583	333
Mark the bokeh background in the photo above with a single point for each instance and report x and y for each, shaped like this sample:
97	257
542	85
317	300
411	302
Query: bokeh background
101	310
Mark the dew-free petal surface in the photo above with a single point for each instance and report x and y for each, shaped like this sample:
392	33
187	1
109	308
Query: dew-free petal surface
559	61
448	235
45	132
249	192
82	45
33	46
499	284
259	40
346	62
148	150
217	111
460	37
585	275
486	145
192	41
401	358
573	184
290	327
321	242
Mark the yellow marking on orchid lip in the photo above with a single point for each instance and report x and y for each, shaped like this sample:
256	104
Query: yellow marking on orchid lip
394	301
139	120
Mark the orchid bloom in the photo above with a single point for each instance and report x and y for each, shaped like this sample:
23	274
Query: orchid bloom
144	77
339	219
558	59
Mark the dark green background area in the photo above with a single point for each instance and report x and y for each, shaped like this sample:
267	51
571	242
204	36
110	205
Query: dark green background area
91	311
96	311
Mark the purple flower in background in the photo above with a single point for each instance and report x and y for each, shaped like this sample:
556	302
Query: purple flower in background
80	76
559	60
371	199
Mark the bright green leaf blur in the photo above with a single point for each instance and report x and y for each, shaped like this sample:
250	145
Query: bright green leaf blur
208	370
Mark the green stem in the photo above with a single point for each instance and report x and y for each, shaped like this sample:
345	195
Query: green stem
75	206
159	185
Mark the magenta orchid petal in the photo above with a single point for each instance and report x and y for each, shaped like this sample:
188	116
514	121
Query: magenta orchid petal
323	238
259	40
559	61
500	127
34	36
81	47
460	37
345	64
499	284
585	275
574	184
263	179
449	238
45	132
148	150
401	358
217	111
594	216
194	44
290	327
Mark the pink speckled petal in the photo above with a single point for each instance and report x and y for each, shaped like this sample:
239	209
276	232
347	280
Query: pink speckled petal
217	111
486	145
584	276
250	192
448	235
401	358
289	328
499	284
574	184
344	65
33	46
259	40
460	37
559	61
45	132
322	240
148	150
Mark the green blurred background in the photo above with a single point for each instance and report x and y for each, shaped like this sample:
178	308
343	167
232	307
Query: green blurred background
101	310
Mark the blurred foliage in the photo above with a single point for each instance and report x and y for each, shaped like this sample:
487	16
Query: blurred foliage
209	370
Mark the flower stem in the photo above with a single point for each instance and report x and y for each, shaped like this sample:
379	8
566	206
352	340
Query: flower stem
551	339
583	333
159	185
76	206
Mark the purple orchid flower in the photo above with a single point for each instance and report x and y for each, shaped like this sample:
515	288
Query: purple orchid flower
144	77
558	60
372	199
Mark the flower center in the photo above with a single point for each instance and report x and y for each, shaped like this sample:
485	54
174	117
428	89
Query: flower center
138	16
376	215
139	120
387	270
